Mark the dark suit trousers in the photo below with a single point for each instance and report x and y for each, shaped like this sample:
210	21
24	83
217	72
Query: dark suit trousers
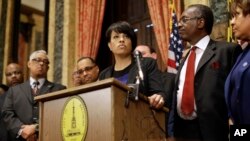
187	129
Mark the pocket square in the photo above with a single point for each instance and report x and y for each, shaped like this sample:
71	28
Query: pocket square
215	65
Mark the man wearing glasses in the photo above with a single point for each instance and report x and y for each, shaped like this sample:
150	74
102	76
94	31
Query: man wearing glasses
199	111
87	70
20	111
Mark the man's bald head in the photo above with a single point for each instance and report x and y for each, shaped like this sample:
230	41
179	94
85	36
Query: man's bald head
14	74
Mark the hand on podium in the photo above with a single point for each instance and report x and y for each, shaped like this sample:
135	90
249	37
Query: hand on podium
28	131
156	101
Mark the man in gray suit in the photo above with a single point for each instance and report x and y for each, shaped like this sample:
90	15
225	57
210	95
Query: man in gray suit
14	76
202	114
20	111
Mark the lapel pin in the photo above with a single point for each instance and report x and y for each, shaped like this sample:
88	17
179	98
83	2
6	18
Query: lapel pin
245	64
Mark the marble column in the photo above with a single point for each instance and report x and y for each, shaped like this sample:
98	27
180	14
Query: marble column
61	42
6	29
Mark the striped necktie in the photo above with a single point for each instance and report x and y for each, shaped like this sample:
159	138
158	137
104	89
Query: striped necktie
35	87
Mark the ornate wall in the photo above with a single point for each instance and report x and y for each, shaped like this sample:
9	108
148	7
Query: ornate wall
221	15
62	33
3	10
219	8
6	30
61	40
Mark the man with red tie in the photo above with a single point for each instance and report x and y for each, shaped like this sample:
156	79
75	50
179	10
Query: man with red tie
199	111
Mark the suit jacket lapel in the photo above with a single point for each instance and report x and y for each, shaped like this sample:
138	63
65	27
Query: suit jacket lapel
209	53
238	81
206	56
46	87
179	69
27	90
243	67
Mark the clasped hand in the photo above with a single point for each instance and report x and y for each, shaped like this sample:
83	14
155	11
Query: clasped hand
156	101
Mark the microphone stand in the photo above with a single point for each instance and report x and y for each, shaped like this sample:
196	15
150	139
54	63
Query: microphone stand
134	93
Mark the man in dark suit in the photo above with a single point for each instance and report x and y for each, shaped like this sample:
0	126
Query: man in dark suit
167	78
20	111
206	118
14	76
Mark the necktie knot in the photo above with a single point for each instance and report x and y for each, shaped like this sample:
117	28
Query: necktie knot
35	87
194	48
36	83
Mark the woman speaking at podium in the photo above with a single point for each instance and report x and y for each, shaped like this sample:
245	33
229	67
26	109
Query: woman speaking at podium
122	41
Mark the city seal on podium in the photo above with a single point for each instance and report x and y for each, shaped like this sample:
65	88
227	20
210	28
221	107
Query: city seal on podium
74	120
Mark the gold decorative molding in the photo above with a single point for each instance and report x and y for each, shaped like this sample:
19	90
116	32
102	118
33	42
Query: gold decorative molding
189	2
8	35
51	38
69	41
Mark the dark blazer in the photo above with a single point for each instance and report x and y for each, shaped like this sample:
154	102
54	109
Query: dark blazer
169	83
242	100
210	77
152	77
3	131
18	108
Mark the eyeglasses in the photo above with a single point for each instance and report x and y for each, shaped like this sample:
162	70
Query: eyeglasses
86	69
13	73
38	60
186	19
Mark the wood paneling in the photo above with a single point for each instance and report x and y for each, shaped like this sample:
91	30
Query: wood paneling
108	118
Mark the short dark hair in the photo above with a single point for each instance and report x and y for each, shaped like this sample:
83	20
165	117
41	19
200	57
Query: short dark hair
122	27
242	4
207	14
83	58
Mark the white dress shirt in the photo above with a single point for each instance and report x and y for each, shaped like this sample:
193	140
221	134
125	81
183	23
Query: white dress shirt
201	46
41	82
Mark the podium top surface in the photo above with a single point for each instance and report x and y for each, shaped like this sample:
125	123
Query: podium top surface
81	89
87	88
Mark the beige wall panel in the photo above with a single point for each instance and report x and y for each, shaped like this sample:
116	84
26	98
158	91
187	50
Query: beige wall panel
68	42
8	39
189	2
51	38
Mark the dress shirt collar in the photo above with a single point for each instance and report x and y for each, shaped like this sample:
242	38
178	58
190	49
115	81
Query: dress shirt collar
202	44
41	82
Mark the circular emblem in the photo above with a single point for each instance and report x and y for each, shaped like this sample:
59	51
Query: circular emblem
74	121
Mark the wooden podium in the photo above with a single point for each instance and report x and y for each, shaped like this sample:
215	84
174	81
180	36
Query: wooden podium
108	118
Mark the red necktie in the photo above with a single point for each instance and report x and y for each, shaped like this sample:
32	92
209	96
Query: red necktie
187	103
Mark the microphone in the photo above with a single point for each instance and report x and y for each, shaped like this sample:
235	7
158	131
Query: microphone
138	56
